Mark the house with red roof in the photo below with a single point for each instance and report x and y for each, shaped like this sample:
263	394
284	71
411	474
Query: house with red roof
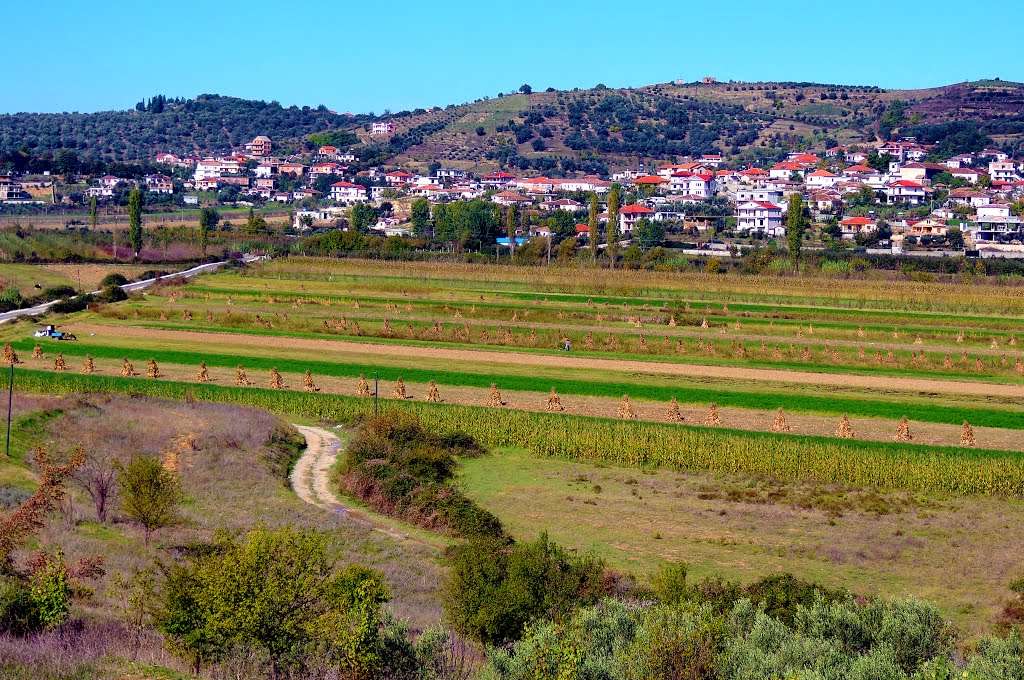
496	179
398	178
346	192
711	159
860	170
566	204
904	191
804	159
649	181
511	198
537	185
852	226
785	170
319	169
631	214
821	179
692	184
759	217
753	176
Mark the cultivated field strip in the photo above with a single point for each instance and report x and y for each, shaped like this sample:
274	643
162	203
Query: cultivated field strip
624	443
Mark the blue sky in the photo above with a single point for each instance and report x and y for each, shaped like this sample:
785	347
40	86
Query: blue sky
373	55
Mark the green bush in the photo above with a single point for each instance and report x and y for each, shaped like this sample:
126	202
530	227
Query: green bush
43	602
493	590
112	293
10	298
114	279
55	293
402	470
71	305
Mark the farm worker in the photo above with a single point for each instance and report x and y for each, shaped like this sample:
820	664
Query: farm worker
567	345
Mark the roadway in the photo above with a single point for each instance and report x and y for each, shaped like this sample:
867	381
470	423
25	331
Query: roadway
131	287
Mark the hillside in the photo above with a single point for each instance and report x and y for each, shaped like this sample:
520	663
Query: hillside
209	123
747	121
588	130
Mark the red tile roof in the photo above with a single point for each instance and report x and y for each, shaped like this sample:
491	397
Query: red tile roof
636	210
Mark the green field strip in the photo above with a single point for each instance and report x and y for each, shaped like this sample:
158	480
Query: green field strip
760	400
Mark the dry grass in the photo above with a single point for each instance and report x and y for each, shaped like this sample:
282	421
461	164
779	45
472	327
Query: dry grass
960	553
227	486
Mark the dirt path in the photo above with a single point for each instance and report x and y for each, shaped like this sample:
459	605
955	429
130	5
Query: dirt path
310	480
499	357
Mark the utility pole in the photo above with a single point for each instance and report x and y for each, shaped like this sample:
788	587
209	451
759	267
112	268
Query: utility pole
376	392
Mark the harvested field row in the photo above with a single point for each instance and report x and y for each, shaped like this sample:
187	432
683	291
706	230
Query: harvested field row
871	429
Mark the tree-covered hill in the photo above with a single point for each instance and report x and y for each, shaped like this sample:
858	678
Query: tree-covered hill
209	123
580	130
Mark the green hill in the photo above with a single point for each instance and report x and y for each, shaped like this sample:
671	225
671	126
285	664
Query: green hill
580	130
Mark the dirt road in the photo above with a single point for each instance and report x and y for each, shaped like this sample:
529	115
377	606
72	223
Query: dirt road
499	357
310	480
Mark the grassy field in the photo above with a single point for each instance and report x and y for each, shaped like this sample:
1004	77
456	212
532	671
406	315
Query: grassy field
877	349
958	552
30	279
227	485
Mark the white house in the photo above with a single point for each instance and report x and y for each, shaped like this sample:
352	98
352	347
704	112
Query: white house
759	217
497	179
852	226
631	214
692	184
821	179
785	170
998	210
382	128
904	191
1003	171
346	192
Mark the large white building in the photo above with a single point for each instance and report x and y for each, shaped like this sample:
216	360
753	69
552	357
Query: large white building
346	192
759	217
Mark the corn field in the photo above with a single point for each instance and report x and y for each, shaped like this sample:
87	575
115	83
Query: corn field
624	442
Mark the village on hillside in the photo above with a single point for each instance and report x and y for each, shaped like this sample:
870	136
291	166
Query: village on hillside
895	196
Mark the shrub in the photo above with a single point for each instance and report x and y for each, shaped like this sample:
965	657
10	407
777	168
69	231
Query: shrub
283	449
113	279
56	293
402	470
10	298
112	293
494	590
71	305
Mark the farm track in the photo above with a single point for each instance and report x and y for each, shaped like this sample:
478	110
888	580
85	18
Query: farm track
564	361
310	479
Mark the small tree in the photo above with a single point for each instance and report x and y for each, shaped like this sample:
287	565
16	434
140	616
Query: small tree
149	493
97	476
420	216
592	225
208	219
511	225
135	220
796	226
955	237
93	214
